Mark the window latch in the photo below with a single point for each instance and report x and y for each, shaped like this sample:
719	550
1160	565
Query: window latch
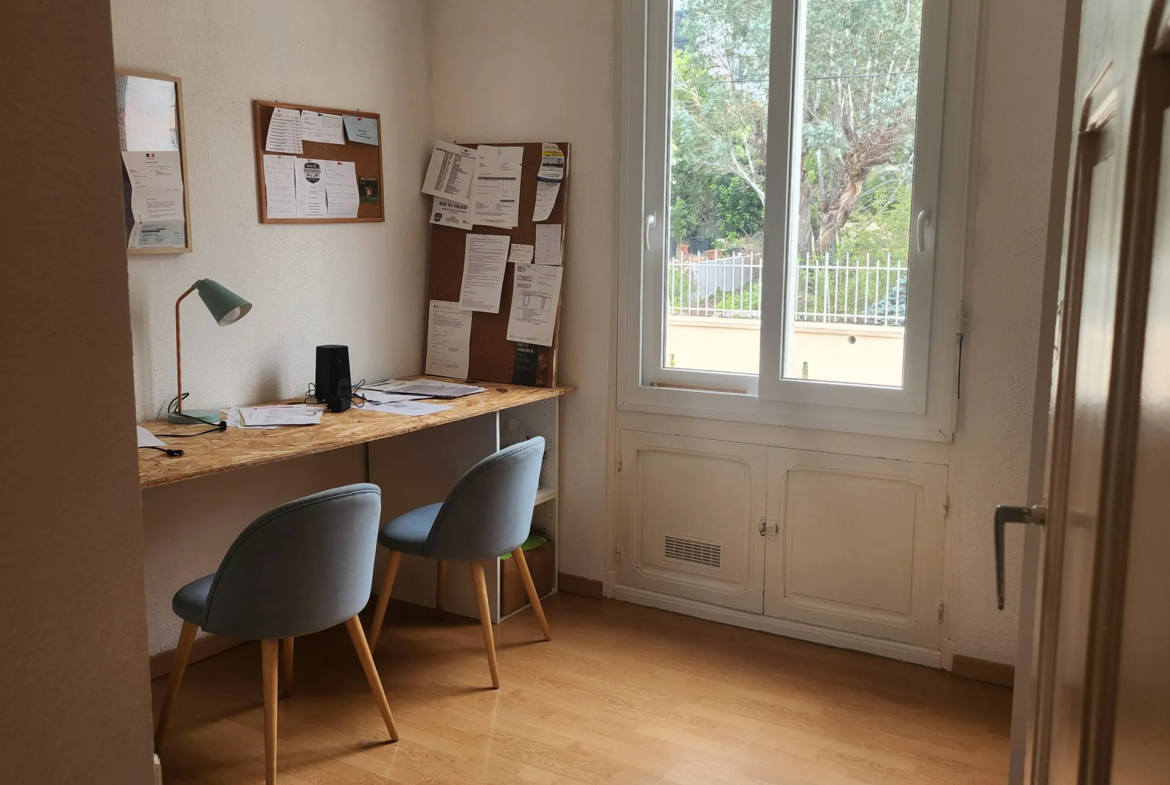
651	222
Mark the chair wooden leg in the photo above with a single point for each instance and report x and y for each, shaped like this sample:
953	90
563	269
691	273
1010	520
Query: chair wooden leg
354	626
530	588
178	668
286	667
270	660
440	579
485	619
384	598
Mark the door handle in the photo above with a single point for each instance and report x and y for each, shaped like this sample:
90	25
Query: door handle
1005	514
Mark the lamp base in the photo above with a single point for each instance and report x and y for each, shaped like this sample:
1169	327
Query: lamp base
192	416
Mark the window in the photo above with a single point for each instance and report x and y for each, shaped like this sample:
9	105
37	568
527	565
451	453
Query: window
788	197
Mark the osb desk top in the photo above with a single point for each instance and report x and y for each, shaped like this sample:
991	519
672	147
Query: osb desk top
237	448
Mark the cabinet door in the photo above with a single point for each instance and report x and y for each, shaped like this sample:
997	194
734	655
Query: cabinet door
693	510
856	544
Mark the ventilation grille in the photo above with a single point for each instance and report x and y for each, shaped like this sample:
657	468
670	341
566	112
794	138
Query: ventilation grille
707	554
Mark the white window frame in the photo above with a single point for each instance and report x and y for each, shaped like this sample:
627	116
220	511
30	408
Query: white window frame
925	406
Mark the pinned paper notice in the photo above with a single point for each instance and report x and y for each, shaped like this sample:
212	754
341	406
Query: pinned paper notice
280	186
444	212
341	189
361	129
521	253
495	198
535	294
552	163
451	172
546	197
548	243
284	132
310	178
448	340
485	259
321	127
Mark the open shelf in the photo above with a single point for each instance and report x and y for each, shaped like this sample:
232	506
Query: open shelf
545	495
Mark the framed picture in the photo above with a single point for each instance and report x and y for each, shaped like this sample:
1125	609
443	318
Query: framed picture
155	187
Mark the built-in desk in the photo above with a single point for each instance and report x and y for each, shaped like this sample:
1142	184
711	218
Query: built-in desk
194	505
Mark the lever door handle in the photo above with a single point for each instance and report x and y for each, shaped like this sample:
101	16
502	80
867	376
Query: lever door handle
1005	514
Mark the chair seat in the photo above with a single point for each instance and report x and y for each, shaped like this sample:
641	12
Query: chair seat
190	602
408	532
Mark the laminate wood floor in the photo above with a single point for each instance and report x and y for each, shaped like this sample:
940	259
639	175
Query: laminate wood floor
622	694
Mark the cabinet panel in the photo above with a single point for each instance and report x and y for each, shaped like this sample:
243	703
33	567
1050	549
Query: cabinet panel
856	545
693	508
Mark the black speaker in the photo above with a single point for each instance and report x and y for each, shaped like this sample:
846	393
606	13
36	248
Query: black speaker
333	386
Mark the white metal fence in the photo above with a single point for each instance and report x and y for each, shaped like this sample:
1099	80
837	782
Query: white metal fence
842	291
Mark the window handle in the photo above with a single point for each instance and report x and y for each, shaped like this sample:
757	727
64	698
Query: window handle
651	222
920	228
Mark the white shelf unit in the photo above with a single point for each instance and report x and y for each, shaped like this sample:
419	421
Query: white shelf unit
420	468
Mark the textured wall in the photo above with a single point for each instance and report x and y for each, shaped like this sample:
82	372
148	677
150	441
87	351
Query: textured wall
356	284
74	689
551	78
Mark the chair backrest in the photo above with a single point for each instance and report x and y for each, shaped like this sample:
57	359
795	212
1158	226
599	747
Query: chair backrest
299	568
489	511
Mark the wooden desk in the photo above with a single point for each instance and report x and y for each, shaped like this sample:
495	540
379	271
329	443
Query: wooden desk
237	448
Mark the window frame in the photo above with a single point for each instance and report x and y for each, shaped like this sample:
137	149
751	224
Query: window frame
925	407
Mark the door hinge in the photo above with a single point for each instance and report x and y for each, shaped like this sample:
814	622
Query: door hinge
942	609
619	461
946	504
617	549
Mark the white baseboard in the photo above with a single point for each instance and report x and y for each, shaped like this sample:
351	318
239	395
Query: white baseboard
789	629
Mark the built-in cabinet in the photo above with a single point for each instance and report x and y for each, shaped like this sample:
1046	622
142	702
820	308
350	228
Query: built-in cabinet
841	549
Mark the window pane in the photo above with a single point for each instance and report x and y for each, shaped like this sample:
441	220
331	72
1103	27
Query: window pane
719	124
848	282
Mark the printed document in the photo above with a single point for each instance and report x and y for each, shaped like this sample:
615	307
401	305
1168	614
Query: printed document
448	340
428	388
536	291
361	129
485	258
321	127
451	172
310	188
521	253
156	199
496	195
552	163
341	188
280	186
548	244
284	132
445	212
408	408
292	414
546	197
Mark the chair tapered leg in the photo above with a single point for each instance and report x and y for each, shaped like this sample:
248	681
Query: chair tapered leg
485	619
270	660
178	668
384	598
530	588
354	626
286	667
440	579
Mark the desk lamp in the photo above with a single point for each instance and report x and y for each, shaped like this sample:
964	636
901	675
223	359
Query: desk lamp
226	308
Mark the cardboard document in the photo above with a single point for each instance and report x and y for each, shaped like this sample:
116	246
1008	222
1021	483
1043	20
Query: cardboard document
548	244
280	186
361	129
156	199
445	212
485	258
536	292
521	253
341	189
321	127
451	172
448	340
495	198
310	188
284	132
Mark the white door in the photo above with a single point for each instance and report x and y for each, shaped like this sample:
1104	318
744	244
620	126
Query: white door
856	544
693	508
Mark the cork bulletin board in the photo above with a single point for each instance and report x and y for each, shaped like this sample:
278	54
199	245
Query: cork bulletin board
367	160
493	358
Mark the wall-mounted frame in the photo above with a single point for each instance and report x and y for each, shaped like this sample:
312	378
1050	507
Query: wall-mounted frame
150	122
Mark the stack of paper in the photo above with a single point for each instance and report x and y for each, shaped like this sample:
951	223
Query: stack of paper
427	388
292	414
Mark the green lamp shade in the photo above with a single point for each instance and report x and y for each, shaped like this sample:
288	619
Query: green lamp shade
226	306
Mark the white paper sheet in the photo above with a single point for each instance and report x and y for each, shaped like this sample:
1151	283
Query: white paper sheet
445	212
536	291
448	340
546	197
548	244
232	418
148	439
284	132
156	199
408	408
310	177
379	397
451	172
521	253
341	189
321	127
496	195
280	186
429	388
293	414
485	257
552	163
361	129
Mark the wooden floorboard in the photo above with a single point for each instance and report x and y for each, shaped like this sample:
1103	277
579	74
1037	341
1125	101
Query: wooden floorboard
622	694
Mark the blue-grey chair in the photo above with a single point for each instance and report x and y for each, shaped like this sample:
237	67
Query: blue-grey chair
299	568
488	513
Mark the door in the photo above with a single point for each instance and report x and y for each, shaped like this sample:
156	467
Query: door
856	544
1101	699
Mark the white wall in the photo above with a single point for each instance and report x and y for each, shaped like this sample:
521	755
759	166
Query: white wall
355	284
542	70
